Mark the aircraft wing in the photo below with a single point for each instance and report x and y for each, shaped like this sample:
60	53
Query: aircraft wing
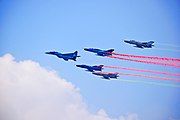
139	45
89	69
106	76
66	59
100	53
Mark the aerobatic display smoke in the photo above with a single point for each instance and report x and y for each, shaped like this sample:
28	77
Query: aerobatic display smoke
143	70
148	57
152	77
146	61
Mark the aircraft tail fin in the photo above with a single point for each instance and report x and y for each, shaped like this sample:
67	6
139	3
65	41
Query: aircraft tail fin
110	50
75	55
101	66
151	42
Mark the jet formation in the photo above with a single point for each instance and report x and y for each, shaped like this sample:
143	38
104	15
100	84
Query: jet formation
99	52
140	44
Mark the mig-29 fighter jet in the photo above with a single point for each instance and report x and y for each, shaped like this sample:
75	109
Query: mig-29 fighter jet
100	52
107	75
91	68
140	44
66	57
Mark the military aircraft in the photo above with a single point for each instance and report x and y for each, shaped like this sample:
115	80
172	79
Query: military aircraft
100	52
107	75
66	57
91	68
140	44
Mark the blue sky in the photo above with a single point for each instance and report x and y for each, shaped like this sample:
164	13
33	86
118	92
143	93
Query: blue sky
29	28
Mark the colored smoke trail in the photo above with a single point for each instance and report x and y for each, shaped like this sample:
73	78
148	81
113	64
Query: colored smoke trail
152	77
149	57
144	61
142	70
151	83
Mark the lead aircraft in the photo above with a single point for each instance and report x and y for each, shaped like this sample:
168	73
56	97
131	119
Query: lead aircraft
66	56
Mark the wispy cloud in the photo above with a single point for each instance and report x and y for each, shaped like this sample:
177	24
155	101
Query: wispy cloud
31	92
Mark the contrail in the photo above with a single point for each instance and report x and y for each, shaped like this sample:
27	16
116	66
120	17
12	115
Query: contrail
152	77
142	70
148	57
144	61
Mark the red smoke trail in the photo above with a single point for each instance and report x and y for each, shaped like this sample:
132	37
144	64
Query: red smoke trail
144	61
149	57
152	77
141	70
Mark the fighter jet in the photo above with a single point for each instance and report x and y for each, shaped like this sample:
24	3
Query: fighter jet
107	75
91	68
140	44
100	52
66	57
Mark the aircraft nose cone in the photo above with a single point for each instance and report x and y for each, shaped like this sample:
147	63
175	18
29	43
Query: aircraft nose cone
78	65
94	73
125	41
47	52
85	49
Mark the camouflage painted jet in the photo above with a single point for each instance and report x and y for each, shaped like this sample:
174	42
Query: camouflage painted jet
140	44
107	75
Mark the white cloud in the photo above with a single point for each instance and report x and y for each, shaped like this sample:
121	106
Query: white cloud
30	92
129	117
